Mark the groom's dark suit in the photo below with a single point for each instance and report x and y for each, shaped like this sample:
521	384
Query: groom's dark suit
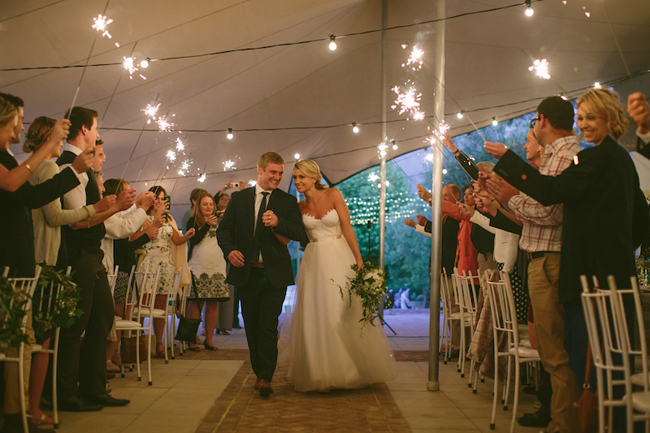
261	287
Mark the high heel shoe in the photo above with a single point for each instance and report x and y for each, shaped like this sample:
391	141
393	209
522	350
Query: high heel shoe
208	347
196	347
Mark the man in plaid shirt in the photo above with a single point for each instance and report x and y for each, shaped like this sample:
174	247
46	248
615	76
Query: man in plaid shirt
541	239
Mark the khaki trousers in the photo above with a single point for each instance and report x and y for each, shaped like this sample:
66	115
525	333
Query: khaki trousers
543	274
12	388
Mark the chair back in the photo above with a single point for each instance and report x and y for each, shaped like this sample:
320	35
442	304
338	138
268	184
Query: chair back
468	293
147	283
504	312
445	295
44	300
27	286
112	278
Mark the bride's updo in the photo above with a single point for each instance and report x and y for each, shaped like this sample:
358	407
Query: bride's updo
311	169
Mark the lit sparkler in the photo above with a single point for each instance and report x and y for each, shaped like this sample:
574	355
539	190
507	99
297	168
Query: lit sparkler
101	22
129	65
372	177
180	146
163	124
171	155
408	101
541	69
229	165
151	110
252	182
202	178
415	60
186	164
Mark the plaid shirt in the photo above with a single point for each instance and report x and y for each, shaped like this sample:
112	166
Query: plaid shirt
542	230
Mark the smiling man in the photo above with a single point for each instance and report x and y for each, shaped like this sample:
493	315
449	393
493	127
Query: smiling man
253	234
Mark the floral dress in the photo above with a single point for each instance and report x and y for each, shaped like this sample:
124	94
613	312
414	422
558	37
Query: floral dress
160	256
208	265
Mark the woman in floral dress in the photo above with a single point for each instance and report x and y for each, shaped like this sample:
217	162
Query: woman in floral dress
208	267
163	254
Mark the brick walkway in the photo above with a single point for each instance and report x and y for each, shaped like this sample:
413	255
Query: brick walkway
240	408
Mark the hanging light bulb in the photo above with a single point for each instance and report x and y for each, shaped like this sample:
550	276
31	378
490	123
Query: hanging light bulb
460	115
230	134
529	9
355	128
597	85
297	156
395	147
332	42
145	63
494	121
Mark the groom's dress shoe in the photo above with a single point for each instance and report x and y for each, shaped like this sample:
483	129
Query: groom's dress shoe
265	388
79	404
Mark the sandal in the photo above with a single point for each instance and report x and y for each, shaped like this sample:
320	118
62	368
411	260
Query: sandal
42	420
196	347
208	347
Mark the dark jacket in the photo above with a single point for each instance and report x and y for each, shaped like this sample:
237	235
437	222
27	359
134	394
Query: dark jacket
605	216
16	231
235	232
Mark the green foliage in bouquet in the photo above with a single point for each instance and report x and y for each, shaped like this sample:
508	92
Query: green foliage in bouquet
12	302
369	284
58	307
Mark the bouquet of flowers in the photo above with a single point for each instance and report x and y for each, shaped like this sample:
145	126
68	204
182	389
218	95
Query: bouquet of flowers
370	285
57	307
12	301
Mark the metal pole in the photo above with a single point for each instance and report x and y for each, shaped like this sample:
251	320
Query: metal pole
433	384
382	162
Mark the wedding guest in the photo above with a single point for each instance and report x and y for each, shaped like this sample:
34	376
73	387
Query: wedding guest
190	212
17	239
82	369
119	251
543	237
208	267
230	185
47	222
167	253
100	156
11	180
639	110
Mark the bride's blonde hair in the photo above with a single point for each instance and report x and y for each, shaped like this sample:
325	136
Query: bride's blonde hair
311	169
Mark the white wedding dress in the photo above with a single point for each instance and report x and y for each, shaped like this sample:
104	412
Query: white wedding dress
328	346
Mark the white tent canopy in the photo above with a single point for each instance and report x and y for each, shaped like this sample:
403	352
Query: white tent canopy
307	85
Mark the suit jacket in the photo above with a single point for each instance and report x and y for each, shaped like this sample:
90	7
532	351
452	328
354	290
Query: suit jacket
16	231
235	232
605	216
449	240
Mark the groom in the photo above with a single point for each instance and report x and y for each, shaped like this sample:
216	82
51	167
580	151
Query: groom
253	234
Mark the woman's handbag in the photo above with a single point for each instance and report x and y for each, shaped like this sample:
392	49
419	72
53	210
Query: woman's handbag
187	329
588	403
130	345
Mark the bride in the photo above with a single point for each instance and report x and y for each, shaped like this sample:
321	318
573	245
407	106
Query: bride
329	348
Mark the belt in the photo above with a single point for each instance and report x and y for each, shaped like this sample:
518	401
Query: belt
328	238
538	254
257	265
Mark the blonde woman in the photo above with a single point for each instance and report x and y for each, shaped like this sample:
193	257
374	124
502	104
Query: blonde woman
328	348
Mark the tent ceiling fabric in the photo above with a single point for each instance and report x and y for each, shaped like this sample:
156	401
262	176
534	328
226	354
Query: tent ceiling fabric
487	59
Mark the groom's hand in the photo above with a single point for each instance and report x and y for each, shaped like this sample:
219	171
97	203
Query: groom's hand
236	258
270	219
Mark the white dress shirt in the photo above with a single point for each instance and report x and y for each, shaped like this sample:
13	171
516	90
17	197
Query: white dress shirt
76	197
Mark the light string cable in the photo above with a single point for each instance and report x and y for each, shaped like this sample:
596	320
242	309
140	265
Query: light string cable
86	65
283	44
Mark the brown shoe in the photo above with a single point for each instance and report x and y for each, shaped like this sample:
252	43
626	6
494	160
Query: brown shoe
265	388
257	383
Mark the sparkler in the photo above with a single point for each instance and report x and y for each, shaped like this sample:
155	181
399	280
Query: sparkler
171	155
164	125
415	59
180	146
96	27
229	165
202	178
541	68
408	101
101	22
151	111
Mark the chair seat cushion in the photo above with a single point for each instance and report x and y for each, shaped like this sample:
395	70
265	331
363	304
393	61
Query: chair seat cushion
128	324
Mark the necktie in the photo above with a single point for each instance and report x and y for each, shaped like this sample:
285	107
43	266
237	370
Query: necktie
258	229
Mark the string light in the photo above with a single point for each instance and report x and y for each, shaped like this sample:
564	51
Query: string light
597	85
541	68
529	10
332	42
444	171
202	178
494	121
101	22
355	128
230	134
460	115
145	63
297	156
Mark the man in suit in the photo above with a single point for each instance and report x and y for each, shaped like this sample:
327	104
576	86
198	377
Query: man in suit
639	109
86	365
253	234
